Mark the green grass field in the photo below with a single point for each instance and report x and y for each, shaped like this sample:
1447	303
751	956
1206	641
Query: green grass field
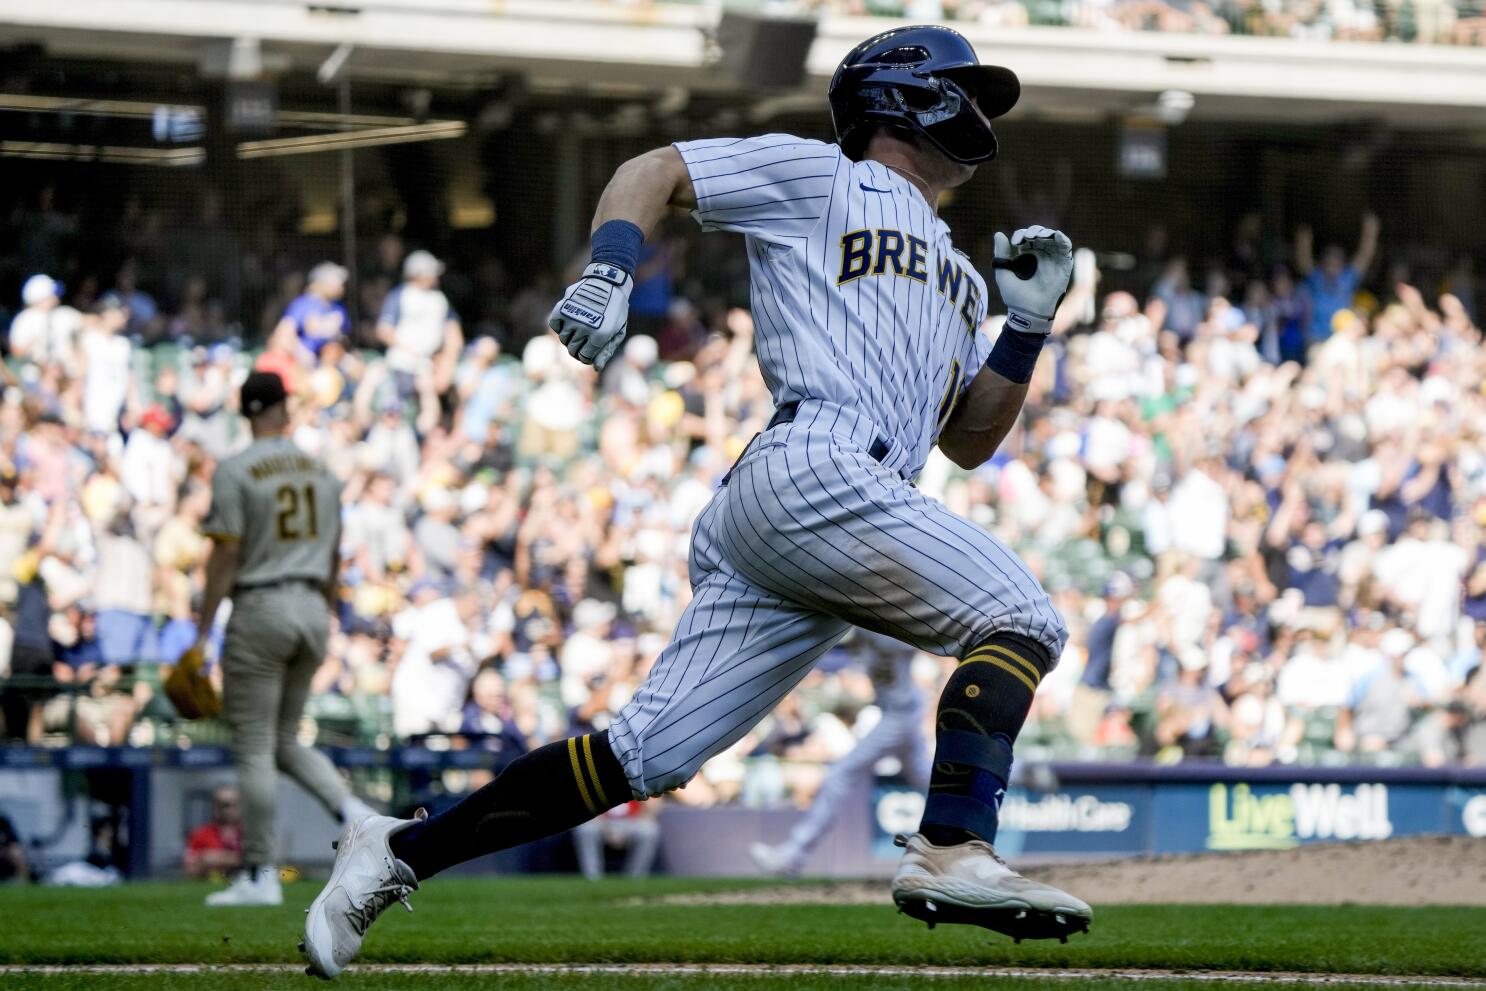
547	921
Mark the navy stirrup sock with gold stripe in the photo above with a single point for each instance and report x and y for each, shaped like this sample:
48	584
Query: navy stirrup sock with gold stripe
553	788
981	711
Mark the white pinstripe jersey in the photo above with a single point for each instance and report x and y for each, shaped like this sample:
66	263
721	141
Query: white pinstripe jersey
858	296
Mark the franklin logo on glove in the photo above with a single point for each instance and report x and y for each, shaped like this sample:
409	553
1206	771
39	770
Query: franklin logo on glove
571	309
593	315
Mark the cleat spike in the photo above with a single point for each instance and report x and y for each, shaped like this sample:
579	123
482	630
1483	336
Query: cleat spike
335	844
301	946
1063	940
930	925
1017	940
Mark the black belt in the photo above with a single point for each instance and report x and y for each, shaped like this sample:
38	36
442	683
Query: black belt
315	583
787	413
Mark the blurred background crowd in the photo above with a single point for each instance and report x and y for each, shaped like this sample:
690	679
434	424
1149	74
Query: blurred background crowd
1255	484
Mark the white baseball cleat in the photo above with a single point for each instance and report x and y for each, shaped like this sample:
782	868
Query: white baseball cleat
354	810
249	887
773	860
365	880
968	883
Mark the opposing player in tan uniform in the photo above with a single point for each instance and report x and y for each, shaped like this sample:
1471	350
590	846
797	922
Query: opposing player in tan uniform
275	530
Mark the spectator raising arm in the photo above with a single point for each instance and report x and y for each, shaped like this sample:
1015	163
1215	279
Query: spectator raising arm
284	338
1305	250
221	572
447	360
1475	587
1367	244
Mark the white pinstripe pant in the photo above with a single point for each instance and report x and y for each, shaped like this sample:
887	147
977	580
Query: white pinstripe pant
809	537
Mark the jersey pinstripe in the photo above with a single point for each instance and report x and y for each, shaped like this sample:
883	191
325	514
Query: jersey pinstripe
859	297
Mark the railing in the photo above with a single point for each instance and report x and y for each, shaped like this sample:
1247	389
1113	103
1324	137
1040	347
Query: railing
1446	22
1441	22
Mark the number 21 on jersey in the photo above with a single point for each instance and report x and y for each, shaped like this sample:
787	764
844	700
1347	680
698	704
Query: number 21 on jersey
297	515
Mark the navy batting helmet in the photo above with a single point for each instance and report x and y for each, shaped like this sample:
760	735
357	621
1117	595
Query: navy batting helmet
921	79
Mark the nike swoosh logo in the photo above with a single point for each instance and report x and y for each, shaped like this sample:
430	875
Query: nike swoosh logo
873	189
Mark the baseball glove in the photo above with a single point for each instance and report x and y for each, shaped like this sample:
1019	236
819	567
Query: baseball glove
189	688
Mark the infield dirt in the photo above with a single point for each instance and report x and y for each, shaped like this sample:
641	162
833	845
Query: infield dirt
1419	870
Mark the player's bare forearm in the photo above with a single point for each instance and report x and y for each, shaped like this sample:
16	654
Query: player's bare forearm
333	584
221	572
643	187
983	418
592	317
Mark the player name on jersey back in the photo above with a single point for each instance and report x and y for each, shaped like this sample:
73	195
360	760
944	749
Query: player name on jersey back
280	464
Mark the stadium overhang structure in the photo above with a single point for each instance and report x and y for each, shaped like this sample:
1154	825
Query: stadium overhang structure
298	132
1067	73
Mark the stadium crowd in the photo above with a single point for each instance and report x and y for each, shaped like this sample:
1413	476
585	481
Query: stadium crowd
1444	22
1257	492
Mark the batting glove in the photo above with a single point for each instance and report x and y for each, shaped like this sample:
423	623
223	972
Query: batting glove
593	314
1031	303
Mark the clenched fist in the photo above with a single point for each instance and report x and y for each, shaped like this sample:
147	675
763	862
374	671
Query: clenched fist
593	314
1031	303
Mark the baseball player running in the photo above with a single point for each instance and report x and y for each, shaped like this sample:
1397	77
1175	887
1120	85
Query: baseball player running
275	530
897	733
868	337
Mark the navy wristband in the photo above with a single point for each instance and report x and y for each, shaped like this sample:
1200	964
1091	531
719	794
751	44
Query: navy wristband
1014	355
617	243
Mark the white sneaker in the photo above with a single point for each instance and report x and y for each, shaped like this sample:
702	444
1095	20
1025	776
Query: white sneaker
968	883
365	880
256	887
773	860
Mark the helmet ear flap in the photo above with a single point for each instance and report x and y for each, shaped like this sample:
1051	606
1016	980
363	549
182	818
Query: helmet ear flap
854	143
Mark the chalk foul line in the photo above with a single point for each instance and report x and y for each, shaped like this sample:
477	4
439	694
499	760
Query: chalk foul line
781	970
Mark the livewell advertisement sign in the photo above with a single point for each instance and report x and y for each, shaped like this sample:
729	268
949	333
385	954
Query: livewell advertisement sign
1277	816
